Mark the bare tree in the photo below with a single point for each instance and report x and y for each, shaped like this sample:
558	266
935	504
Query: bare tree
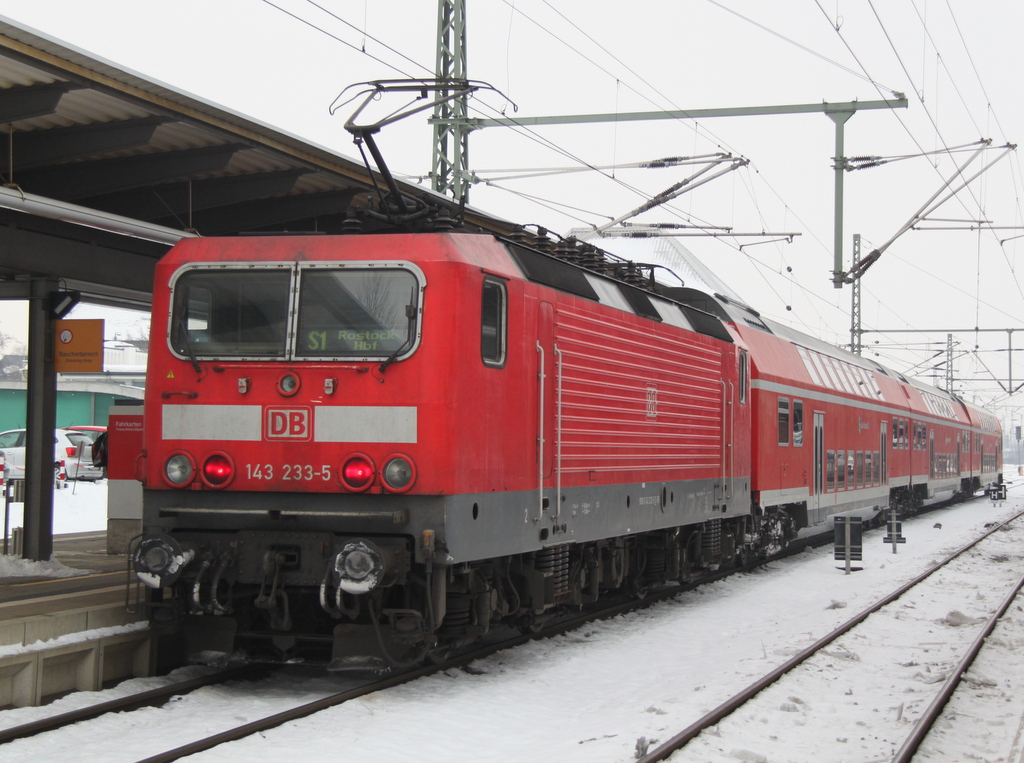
13	358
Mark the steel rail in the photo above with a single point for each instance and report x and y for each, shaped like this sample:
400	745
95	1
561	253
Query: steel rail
155	697
462	660
734	703
931	714
151	697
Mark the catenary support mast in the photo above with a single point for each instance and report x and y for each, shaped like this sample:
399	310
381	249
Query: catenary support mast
856	334
451	137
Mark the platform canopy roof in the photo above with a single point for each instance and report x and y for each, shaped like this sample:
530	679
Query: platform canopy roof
102	169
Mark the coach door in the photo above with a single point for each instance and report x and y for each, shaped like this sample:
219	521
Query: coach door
819	456
884	451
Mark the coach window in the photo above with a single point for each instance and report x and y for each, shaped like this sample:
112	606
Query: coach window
492	324
860	468
850	461
841	470
783	421
798	423
830	471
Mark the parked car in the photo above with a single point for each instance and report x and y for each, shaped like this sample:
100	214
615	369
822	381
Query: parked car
72	454
92	432
97	445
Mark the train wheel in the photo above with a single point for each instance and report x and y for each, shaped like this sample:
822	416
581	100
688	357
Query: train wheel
533	623
438	654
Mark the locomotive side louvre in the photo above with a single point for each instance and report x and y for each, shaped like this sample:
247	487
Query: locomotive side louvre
650	404
632	422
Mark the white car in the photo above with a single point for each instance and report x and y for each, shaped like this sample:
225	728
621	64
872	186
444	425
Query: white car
72	455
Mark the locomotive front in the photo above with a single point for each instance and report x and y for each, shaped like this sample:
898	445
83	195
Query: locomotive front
285	473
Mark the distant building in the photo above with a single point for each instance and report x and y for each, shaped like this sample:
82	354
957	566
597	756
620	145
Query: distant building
82	399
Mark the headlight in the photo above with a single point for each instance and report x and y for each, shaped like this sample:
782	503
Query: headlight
179	469
288	385
398	473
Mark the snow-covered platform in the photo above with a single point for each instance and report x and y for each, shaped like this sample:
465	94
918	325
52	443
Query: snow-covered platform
64	625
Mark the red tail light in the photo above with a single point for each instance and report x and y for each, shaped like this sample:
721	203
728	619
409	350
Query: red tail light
71	451
218	470
357	473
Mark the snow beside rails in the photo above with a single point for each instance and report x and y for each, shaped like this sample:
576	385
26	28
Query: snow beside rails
589	695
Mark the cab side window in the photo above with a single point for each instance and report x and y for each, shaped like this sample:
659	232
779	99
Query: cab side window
743	376
493	318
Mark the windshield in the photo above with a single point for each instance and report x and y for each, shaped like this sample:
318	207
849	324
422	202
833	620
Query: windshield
351	313
231	313
354	313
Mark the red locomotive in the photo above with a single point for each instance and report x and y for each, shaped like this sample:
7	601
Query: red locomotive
379	445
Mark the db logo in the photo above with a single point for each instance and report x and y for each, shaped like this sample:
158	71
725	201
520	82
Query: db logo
287	424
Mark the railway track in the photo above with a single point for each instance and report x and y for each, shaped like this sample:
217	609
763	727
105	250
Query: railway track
746	699
301	710
160	696
149	698
460	661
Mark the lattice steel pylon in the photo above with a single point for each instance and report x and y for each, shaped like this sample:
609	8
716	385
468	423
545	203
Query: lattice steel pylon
450	167
856	333
949	363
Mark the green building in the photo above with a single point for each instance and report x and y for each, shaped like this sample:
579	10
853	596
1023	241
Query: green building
79	403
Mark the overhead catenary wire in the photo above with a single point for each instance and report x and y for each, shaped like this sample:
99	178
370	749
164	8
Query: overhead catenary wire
528	132
767	269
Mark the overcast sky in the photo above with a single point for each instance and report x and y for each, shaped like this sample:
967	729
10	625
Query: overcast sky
958	62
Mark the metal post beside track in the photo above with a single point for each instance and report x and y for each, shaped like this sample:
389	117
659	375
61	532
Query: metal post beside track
848	544
14	492
894	528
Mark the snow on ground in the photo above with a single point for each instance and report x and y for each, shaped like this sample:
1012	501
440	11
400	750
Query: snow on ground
77	507
859	698
589	695
984	720
16	567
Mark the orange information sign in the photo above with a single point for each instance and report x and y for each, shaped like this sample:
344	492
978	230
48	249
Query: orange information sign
78	346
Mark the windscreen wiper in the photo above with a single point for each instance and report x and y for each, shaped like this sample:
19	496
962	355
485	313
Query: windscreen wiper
410	313
183	332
